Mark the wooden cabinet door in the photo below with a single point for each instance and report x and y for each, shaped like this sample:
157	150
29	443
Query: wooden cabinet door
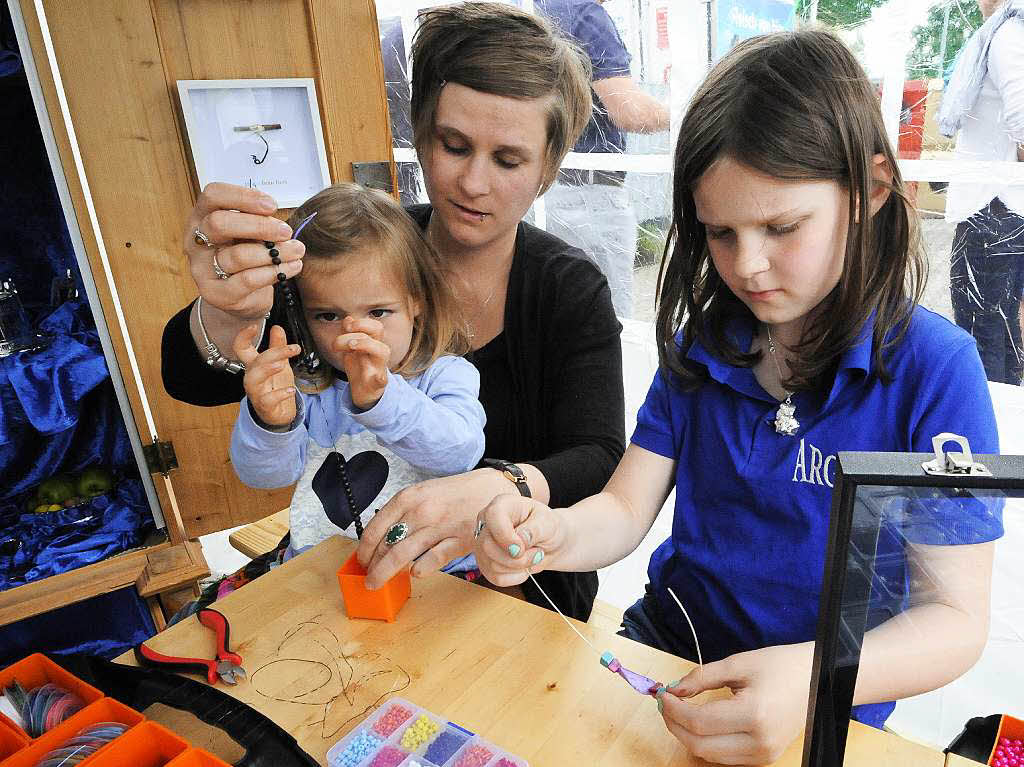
108	70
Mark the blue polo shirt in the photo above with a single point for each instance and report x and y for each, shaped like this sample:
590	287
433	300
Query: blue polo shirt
747	550
590	27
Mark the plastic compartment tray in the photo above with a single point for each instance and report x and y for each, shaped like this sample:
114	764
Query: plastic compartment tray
384	742
103	710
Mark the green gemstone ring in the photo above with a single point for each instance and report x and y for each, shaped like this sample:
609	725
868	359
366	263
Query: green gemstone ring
397	532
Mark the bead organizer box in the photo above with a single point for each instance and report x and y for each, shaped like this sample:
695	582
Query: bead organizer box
402	734
104	733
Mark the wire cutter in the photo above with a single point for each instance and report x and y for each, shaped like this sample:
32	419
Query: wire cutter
228	666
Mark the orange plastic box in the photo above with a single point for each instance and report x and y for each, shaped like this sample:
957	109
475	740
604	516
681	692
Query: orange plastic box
196	757
145	745
12	737
36	670
1009	727
382	604
103	710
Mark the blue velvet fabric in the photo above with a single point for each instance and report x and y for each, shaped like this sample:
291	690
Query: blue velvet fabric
58	414
85	627
35	247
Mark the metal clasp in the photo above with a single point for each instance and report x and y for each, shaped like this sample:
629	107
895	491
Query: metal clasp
952	463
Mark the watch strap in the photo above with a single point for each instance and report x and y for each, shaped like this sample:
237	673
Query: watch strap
512	473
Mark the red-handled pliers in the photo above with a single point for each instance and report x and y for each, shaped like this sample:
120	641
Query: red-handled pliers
228	666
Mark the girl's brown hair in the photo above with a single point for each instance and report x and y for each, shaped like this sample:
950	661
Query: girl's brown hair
351	217
498	49
793	106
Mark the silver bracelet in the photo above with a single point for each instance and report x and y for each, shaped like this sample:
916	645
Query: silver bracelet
214	358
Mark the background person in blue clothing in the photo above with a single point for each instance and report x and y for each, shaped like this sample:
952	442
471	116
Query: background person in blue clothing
796	266
380	312
592	209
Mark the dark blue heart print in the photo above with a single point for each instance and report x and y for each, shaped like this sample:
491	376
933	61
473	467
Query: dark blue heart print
367	473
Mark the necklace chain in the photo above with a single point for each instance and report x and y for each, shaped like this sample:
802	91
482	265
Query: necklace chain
785	417
771	353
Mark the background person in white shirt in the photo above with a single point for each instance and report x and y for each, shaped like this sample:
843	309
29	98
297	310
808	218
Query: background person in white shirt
986	98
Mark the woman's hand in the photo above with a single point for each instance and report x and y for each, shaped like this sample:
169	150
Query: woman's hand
515	536
237	221
269	381
767	711
441	516
364	357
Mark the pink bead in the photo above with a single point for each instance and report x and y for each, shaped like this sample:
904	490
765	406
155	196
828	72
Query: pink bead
388	757
474	756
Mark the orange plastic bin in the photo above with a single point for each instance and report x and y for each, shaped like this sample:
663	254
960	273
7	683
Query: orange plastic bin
382	604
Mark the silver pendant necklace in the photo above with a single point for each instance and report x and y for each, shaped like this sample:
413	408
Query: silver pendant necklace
785	417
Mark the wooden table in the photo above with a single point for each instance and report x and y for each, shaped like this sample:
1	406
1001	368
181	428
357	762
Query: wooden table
506	669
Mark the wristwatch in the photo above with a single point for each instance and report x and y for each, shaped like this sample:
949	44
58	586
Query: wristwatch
512	473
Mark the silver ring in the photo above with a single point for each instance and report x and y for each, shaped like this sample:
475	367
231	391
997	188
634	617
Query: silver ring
201	239
217	269
480	523
397	532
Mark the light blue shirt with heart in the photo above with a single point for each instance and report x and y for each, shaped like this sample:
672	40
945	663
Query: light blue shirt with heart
429	425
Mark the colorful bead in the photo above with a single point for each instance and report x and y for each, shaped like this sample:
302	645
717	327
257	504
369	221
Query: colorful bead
419	732
1008	753
360	747
389	756
447	743
506	762
391	720
474	756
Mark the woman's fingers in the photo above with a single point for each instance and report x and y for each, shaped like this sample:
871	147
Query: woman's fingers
218	195
437	556
252	255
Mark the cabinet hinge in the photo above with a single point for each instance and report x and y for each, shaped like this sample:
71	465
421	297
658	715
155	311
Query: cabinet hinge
160	457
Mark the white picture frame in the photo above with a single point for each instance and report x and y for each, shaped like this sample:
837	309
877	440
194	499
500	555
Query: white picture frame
261	133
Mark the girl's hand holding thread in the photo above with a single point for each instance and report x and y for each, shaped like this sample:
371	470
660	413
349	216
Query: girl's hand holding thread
518	536
765	714
269	381
364	357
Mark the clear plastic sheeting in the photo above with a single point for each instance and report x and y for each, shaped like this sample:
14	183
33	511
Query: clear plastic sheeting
617	215
613	197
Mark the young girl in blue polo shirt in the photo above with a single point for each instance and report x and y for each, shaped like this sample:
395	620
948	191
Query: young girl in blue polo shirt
788	330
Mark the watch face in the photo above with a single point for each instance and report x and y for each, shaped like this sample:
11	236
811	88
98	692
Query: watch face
515	471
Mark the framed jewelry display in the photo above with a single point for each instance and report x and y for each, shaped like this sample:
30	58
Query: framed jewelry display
264	134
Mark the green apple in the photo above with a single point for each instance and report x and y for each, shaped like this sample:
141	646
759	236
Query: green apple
94	481
56	490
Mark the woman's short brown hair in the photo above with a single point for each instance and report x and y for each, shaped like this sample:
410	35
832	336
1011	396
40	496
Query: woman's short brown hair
498	49
794	106
351	217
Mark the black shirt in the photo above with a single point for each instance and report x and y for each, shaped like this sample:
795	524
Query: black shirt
550	383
